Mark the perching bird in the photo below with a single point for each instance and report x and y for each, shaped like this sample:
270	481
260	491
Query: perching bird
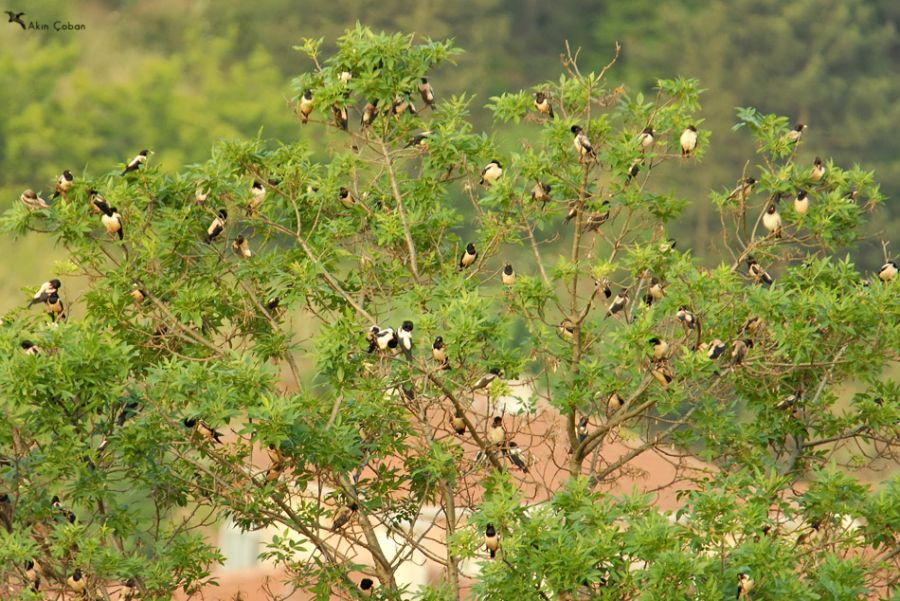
458	423
76	581
402	104
63	511
739	350
756	271
274	472
426	91
597	218
581	430
772	220
688	140
660	348
686	317
468	257
370	111
63	183
205	431
645	138
603	286
566	328
632	173
126	593
55	307
743	189
241	247
217	226
655	292
439	350
47	288
715	350
888	271
573	211
818	170
491	540
662	373
541	193
98	203
138	295
386	339
795	134
372	337
582	145
16	18
404	336
508	277
787	402
33	201
33	574
366	585
613	404
341	116
496	433
30	348
745	585
809	535
275	454
618	303
257	196
801	203
491	173
514	454
346	197
305	105
542	104
136	162
128	411
485	380
112	221
420	140
343	516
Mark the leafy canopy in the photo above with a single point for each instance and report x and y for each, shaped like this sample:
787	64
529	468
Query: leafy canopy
178	337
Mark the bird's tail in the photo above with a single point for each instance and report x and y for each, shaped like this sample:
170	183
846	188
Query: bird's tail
493	553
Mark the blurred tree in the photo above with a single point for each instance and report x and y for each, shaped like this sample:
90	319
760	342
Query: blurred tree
456	395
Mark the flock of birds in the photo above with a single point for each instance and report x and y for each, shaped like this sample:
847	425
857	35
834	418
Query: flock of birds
389	340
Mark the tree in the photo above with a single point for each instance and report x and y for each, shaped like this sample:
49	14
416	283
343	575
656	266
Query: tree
832	77
261	346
